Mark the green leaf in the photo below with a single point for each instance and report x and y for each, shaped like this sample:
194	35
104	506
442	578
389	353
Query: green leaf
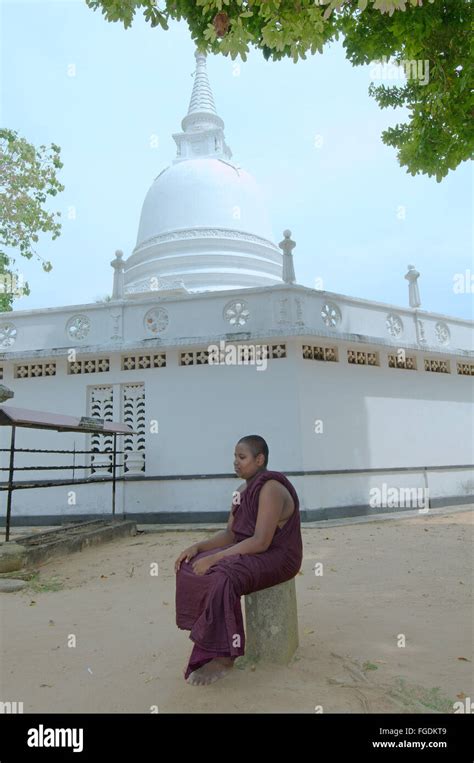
400	30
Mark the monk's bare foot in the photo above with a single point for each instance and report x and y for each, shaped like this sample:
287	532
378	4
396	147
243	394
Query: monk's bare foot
211	671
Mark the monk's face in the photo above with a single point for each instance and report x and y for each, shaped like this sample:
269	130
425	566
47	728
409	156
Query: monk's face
245	464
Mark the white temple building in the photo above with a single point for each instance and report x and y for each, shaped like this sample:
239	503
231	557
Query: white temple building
208	337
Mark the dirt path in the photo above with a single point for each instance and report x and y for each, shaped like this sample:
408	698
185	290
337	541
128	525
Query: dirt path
381	579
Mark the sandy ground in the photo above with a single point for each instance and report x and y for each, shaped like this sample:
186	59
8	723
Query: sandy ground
412	576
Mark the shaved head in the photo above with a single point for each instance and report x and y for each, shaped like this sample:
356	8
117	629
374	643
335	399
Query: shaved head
256	445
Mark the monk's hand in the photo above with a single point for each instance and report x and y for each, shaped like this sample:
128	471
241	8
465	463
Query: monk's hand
187	554
201	566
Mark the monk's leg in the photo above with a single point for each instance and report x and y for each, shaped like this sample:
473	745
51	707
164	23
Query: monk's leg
206	666
251	573
217	628
211	671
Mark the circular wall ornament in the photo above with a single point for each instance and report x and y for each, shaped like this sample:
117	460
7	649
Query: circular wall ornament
330	314
78	327
156	320
394	325
8	333
442	332
236	312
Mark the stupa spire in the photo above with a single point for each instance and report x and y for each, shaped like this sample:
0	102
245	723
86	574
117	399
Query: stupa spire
202	99
203	129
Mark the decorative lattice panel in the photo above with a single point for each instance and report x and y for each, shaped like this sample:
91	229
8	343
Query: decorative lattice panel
133	405
244	354
139	362
319	353
406	362
101	405
331	315
437	366
277	351
33	370
236	312
360	358
91	366
465	369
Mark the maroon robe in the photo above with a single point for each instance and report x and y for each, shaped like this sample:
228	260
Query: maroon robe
209	605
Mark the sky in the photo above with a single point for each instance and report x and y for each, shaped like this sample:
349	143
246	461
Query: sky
308	132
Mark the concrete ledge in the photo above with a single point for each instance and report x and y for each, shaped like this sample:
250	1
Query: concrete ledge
216	517
271	624
41	546
212	527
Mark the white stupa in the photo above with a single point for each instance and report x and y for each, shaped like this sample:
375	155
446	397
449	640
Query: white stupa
208	337
204	224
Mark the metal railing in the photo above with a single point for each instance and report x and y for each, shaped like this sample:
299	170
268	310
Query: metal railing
10	486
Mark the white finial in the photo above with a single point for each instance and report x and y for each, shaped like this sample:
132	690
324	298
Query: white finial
287	246
413	291
202	99
203	129
118	266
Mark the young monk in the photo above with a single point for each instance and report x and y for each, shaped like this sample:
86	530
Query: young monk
260	547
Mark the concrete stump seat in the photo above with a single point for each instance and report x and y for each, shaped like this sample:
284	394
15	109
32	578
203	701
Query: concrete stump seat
271	624
12	556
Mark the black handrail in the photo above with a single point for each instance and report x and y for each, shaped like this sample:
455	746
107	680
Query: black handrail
10	486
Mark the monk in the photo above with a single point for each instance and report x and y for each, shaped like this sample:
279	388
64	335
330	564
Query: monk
261	547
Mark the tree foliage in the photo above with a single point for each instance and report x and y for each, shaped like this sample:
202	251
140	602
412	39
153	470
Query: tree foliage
27	177
432	45
438	134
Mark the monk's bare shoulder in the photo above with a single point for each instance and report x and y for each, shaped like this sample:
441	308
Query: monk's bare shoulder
274	489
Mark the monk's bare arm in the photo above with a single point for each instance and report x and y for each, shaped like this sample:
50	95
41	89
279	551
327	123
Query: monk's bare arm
270	505
222	538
